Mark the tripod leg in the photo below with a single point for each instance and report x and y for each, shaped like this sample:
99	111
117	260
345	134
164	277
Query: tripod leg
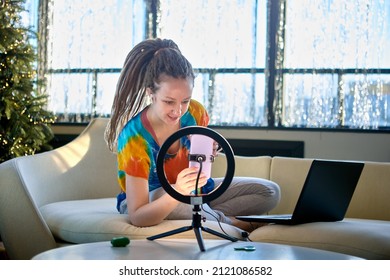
168	233
211	231
198	234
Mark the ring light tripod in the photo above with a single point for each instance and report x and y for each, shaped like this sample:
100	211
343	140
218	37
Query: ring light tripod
195	200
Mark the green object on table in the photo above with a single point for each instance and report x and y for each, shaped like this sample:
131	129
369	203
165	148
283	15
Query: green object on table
245	248
120	241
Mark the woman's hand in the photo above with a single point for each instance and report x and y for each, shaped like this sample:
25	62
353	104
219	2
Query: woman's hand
186	180
216	148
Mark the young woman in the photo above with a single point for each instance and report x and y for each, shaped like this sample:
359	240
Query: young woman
152	101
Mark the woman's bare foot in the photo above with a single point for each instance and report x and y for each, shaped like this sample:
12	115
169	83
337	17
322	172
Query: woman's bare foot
247	226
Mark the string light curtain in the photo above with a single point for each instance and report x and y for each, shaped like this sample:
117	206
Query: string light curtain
335	70
332	67
226	43
332	63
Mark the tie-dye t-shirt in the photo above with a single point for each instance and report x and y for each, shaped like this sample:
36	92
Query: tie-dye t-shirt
137	149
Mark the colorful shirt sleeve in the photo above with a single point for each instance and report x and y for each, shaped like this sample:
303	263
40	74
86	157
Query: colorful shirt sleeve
133	152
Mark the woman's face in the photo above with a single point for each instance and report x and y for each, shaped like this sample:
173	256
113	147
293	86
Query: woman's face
171	100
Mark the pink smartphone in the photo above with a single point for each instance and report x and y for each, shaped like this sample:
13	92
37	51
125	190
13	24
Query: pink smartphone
202	145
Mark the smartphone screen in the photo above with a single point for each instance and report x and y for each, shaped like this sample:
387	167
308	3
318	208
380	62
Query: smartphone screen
202	145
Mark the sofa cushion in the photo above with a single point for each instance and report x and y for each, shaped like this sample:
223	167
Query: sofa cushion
93	220
257	166
371	197
368	239
290	175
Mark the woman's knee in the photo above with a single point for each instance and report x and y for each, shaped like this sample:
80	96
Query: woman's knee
267	186
269	192
275	188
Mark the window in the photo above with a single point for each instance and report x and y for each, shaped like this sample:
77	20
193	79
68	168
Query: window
336	72
301	63
226	42
86	43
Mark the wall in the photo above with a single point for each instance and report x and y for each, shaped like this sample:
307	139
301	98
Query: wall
370	146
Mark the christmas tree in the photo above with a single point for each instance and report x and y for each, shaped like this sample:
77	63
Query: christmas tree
24	121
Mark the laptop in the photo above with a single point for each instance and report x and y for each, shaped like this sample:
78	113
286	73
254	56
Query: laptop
325	195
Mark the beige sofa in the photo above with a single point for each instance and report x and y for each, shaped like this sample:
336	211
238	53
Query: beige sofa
67	196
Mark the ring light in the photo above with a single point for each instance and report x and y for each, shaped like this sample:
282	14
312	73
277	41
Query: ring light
195	200
204	198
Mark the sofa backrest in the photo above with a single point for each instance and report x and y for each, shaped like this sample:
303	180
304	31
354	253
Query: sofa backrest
370	200
258	166
290	175
82	169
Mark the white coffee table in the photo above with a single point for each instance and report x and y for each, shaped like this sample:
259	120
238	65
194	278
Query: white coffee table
187	249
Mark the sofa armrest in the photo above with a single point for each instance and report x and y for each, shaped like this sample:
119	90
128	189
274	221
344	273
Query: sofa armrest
22	228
